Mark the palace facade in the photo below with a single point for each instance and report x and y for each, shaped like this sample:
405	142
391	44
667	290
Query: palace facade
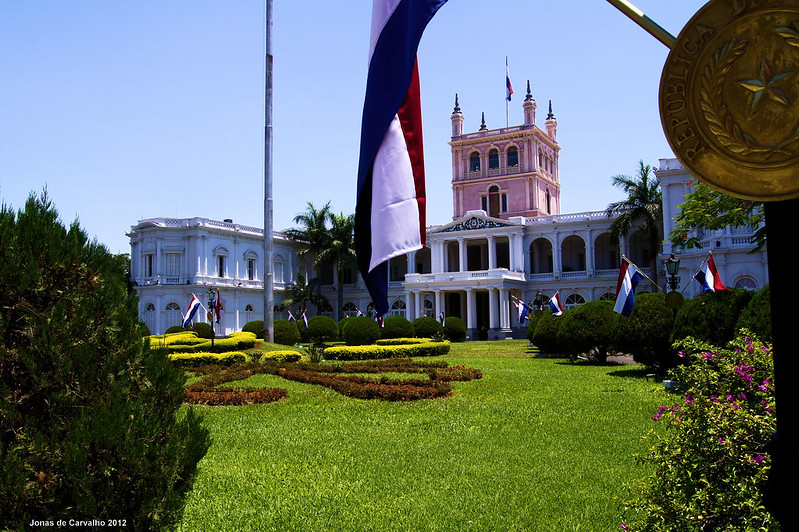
508	239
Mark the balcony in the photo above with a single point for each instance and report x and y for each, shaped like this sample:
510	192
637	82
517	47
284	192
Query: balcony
469	277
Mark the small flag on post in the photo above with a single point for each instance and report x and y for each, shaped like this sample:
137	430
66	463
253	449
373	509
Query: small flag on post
508	86
291	316
629	277
218	306
194	306
521	308
556	305
441	317
708	277
390	205
305	319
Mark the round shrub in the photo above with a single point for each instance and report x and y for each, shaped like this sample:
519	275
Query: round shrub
646	333
545	334
427	327
756	315
361	330
256	327
341	323
454	329
203	330
175	329
588	329
322	329
397	327
711	316
286	332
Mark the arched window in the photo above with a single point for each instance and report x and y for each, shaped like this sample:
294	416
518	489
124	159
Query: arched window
607	296
513	156
248	308
746	283
493	159
397	308
172	306
173	315
350	309
221	261
149	307
493	201
572	300
474	162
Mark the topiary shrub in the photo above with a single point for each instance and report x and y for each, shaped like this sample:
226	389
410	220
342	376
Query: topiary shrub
711	317
710	462
756	315
322	329
341	323
454	329
92	422
588	329
256	327
361	330
427	327
545	334
286	332
397	327
203	330
175	329
646	333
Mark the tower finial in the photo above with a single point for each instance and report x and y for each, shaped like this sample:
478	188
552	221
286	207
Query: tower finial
483	124
550	116
457	107
529	93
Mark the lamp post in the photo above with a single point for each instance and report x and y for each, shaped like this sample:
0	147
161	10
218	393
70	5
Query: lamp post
210	314
538	303
673	298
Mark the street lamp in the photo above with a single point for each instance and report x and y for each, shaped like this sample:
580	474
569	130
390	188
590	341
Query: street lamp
538	303
673	298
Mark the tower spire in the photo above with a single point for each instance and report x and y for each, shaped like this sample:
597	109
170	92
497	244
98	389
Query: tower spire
483	124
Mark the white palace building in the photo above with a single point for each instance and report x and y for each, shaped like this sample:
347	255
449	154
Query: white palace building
508	239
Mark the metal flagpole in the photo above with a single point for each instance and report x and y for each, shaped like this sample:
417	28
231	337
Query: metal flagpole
637	16
269	296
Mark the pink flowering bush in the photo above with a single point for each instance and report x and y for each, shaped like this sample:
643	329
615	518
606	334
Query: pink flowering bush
710	459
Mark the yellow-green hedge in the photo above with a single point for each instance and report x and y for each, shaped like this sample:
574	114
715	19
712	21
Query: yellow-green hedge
403	341
369	352
282	356
203	359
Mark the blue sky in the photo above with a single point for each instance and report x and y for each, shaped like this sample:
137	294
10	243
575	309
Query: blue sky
132	110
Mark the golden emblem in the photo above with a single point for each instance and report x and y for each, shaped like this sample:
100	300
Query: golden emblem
729	98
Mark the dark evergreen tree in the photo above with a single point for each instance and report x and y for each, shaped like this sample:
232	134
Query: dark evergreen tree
91	424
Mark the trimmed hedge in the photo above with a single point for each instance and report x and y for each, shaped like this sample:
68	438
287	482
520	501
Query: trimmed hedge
286	332
588	329
711	317
322	329
454	329
256	327
403	341
646	333
756	316
209	390
281	357
370	352
361	330
203	359
397	327
427	327
545	335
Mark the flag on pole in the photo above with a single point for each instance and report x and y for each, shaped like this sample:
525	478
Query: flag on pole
305	319
291	316
441	317
218	306
390	205
194	306
521	308
629	277
358	312
708	276
508	86
556	305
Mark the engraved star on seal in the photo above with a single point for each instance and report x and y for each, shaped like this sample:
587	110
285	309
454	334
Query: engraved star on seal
766	86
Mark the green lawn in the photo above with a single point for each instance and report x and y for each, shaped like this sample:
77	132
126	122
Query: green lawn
536	444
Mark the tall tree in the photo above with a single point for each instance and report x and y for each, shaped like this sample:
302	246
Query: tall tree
313	235
642	208
340	252
708	209
301	294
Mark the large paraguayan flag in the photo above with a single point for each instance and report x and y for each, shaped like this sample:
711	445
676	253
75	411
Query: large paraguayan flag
708	277
629	277
390	207
194	306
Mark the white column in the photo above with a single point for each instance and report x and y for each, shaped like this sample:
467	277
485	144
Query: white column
471	311
409	305
589	253
504	312
439	304
411	258
492	252
462	255
493	308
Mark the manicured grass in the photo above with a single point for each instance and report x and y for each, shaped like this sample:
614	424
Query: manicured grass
536	444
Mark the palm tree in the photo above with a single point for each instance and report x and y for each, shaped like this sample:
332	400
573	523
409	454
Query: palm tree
339	252
302	293
313	235
642	208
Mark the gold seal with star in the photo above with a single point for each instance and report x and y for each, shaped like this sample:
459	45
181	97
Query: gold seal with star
729	98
